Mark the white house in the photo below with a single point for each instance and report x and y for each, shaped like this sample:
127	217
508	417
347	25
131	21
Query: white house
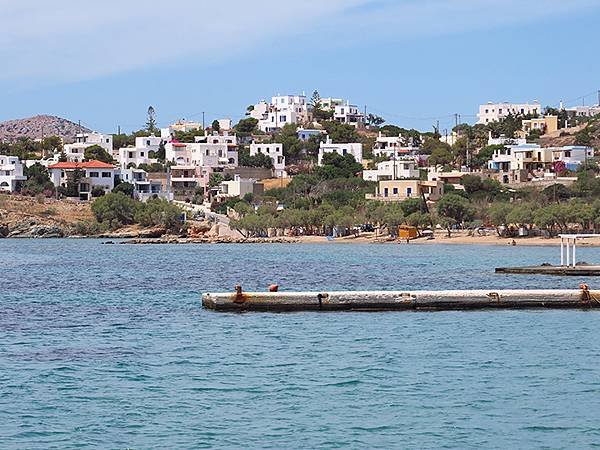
503	140
354	149
392	146
584	111
11	173
572	155
283	110
493	112
329	103
75	151
349	114
144	189
535	160
201	154
94	174
238	187
393	170
225	138
180	125
273	151
134	155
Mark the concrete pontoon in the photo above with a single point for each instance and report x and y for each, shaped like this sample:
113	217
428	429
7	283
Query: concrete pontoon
401	300
568	261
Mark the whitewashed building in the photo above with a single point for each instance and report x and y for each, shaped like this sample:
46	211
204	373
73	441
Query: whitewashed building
493	112
354	149
349	114
393	170
283	110
95	174
273	151
11	173
144	189
393	146
201	154
75	152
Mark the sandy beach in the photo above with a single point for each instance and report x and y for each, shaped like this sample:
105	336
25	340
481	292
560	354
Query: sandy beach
457	238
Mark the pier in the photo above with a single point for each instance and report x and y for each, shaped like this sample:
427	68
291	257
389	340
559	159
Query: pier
568	261
239	301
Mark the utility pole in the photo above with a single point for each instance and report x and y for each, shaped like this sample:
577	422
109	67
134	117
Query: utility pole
456	120
203	127
119	130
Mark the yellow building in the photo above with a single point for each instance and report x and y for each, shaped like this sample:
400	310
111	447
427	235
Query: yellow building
399	190
546	125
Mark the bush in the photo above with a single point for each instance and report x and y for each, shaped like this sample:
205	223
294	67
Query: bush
114	210
158	212
124	188
97	191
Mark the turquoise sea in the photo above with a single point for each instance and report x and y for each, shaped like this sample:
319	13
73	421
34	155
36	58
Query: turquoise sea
107	346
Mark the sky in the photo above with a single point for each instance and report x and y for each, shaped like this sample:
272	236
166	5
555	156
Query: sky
413	62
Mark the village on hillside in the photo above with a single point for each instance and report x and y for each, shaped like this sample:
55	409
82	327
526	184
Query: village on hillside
313	166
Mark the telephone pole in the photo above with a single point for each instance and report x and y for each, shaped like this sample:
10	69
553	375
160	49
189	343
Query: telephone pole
203	127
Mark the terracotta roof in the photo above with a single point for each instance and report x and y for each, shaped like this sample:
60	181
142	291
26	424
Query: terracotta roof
94	164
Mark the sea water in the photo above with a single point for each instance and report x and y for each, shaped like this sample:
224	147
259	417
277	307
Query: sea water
107	346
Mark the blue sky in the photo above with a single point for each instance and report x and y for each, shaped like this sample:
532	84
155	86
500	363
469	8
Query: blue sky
411	61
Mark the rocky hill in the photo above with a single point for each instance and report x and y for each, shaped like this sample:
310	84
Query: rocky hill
33	127
585	134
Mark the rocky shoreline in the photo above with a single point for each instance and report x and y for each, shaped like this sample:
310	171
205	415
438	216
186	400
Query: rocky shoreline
207	240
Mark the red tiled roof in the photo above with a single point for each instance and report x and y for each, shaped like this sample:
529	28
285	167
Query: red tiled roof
94	164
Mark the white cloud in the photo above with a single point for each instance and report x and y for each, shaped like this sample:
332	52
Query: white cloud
73	39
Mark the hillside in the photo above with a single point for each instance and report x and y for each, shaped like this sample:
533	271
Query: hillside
587	134
33	127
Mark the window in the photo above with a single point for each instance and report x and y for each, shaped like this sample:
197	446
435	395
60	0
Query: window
108	141
408	191
395	191
148	142
567	154
130	155
500	111
93	175
142	154
106	175
385	192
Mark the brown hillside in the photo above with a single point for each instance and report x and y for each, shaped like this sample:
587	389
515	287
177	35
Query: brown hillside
33	127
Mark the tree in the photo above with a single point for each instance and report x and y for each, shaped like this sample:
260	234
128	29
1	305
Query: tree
315	100
215	179
375	120
95	152
247	125
480	160
456	209
216	126
151	120
341	133
114	209
439	156
258	160
73	180
338	166
161	152
125	188
288	136
159	212
38	180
